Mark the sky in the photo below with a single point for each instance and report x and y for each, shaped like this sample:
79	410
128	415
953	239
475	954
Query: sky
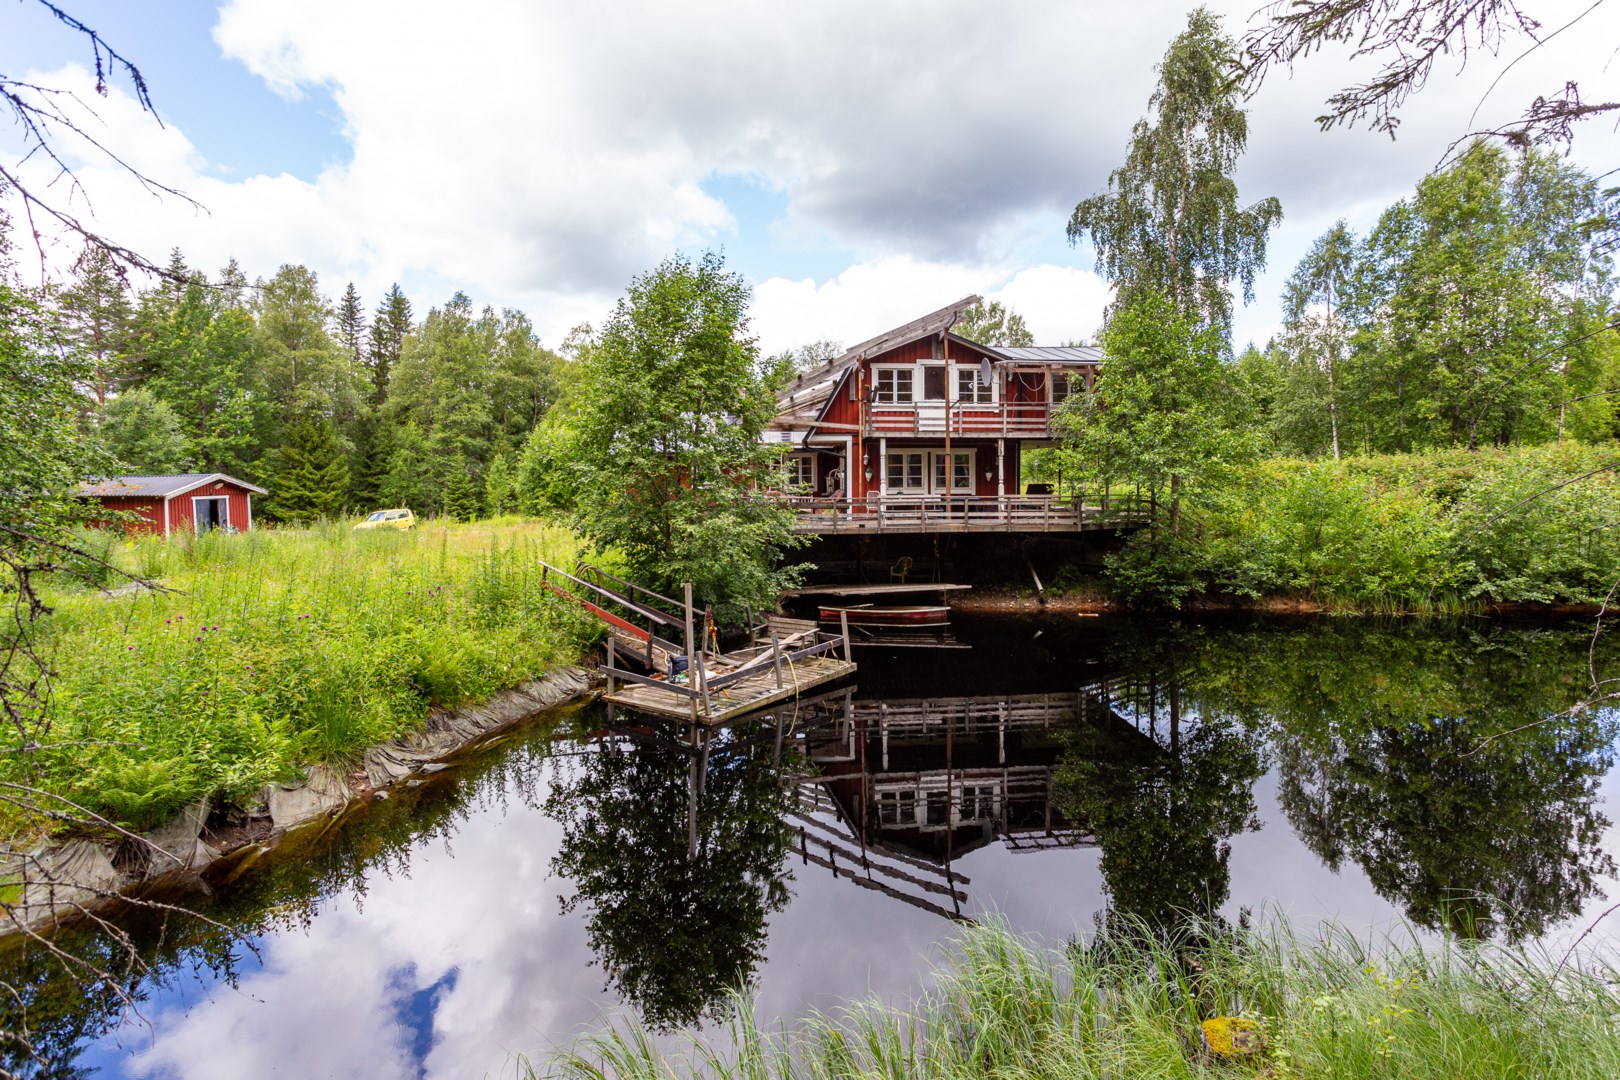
860	163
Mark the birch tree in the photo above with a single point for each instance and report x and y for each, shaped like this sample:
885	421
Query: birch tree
1170	220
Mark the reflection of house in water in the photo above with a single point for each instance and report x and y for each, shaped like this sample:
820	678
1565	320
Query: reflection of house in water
903	787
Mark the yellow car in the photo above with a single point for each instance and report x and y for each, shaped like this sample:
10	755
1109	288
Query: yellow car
389	519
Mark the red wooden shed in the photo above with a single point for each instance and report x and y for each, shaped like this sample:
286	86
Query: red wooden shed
191	502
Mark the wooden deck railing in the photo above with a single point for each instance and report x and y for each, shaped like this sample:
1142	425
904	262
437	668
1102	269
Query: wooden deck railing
1011	419
961	513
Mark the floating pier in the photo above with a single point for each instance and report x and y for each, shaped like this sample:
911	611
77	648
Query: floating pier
694	680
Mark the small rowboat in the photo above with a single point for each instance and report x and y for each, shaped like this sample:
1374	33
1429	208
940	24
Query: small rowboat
909	615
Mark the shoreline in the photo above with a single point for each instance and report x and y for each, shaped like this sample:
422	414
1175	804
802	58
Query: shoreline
1005	600
71	879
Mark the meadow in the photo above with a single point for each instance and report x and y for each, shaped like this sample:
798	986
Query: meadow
1133	1004
265	651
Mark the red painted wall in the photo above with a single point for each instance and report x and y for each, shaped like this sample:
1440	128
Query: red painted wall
150	510
180	518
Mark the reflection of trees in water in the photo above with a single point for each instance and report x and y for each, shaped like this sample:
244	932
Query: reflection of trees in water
674	927
1164	821
1443	762
280	892
1163	810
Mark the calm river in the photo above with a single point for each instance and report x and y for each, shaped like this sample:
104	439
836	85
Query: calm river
1052	772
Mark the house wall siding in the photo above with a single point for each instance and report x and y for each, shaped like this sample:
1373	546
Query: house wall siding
180	509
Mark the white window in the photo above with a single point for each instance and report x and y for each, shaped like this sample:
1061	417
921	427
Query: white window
893	385
897	807
961	462
799	472
969	390
978	803
904	472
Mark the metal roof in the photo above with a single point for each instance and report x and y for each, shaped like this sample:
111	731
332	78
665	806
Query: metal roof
1052	354
158	487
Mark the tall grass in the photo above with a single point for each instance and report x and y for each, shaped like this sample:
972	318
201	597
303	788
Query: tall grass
277	648
1440	531
1130	1006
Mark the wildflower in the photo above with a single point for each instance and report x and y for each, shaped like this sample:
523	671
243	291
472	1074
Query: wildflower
132	648
168	620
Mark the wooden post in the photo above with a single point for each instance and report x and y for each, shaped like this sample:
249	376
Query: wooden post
748	613
843	627
690	669
612	686
776	659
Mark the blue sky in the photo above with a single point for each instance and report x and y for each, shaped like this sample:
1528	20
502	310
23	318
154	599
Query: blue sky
860	163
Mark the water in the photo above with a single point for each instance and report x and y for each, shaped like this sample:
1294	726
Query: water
1419	773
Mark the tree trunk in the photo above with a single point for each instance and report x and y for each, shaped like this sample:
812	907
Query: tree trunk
1175	504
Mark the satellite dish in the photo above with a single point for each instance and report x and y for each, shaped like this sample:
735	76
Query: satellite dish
984	372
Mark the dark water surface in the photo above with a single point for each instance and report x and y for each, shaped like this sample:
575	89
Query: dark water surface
1055	772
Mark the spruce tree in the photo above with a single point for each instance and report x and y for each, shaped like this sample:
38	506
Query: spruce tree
309	478
463	499
99	317
351	325
388	329
368	463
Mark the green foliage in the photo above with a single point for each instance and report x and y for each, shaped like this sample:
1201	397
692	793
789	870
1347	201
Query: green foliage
1170	222
993	324
98	316
666	440
1162	411
202	356
500	490
281	647
1402	532
310	479
143	434
1473	315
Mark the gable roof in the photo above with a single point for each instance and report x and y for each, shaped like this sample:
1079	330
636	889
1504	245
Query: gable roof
804	399
158	487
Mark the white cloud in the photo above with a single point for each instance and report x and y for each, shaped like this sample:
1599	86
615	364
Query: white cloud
1059	303
539	155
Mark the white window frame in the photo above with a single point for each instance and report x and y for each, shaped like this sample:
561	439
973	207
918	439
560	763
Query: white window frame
897	807
968	390
195	521
799	471
937	470
895	373
897	479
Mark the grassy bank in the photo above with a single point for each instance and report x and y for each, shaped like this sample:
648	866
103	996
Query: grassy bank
1325	1008
1447	530
277	648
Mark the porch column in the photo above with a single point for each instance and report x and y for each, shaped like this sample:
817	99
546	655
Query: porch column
1001	468
882	472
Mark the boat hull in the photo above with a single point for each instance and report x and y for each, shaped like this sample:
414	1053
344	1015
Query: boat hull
907	615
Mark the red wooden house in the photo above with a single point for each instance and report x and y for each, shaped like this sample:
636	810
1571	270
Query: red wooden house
922	430
188	502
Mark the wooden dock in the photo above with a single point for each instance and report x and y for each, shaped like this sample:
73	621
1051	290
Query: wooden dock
728	700
694	680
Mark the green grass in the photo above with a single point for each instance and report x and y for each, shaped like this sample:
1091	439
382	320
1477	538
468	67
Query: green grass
1128	1007
277	648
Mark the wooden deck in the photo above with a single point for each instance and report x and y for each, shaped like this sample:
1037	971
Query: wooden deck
960	514
729	701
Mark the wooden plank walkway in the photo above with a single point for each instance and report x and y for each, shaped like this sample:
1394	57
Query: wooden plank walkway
749	694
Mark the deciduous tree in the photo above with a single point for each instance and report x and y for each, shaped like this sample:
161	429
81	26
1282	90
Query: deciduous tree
667	438
1170	221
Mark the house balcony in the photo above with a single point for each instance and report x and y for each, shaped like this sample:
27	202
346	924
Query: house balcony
895	514
998	420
